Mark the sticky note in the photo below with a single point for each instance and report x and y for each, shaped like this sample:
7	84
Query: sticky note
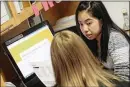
35	10
45	6
50	3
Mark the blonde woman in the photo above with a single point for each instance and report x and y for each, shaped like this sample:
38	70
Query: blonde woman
75	66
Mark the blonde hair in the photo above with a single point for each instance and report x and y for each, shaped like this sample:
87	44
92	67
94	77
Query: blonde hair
74	64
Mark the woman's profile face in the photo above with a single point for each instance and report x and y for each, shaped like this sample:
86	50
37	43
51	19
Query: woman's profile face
90	26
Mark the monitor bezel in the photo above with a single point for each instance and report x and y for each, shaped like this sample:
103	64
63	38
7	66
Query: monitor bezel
25	33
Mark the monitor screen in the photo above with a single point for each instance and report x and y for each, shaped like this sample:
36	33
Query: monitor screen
30	47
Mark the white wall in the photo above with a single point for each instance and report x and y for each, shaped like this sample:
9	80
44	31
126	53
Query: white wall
115	11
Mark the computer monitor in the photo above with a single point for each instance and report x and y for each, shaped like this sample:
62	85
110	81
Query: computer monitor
32	45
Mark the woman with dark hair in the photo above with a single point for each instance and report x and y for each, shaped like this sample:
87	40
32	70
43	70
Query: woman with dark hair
94	23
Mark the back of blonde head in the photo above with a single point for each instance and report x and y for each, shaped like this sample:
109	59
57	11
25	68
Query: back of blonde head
74	64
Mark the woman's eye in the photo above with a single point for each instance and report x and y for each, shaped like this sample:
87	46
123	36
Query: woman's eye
89	23
80	24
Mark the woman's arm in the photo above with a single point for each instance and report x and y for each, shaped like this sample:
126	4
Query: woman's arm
118	52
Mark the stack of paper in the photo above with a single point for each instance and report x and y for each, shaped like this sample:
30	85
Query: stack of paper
18	6
5	14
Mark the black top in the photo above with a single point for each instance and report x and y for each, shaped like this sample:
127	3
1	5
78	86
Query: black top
117	83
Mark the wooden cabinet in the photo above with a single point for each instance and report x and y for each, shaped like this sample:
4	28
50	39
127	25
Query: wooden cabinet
18	22
16	18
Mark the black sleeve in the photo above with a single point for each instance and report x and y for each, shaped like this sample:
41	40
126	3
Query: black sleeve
122	83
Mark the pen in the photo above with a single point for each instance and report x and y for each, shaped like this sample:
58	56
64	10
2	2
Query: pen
35	67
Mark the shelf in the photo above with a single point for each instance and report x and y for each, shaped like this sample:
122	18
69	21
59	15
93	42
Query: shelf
19	18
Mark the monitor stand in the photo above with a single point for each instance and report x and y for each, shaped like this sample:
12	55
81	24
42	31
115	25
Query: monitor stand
35	82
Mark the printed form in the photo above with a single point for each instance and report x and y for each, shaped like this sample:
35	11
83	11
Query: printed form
39	56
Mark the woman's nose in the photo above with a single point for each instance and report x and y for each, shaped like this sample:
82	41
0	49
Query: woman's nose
85	28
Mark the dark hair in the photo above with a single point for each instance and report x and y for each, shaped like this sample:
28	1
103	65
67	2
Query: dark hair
98	10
